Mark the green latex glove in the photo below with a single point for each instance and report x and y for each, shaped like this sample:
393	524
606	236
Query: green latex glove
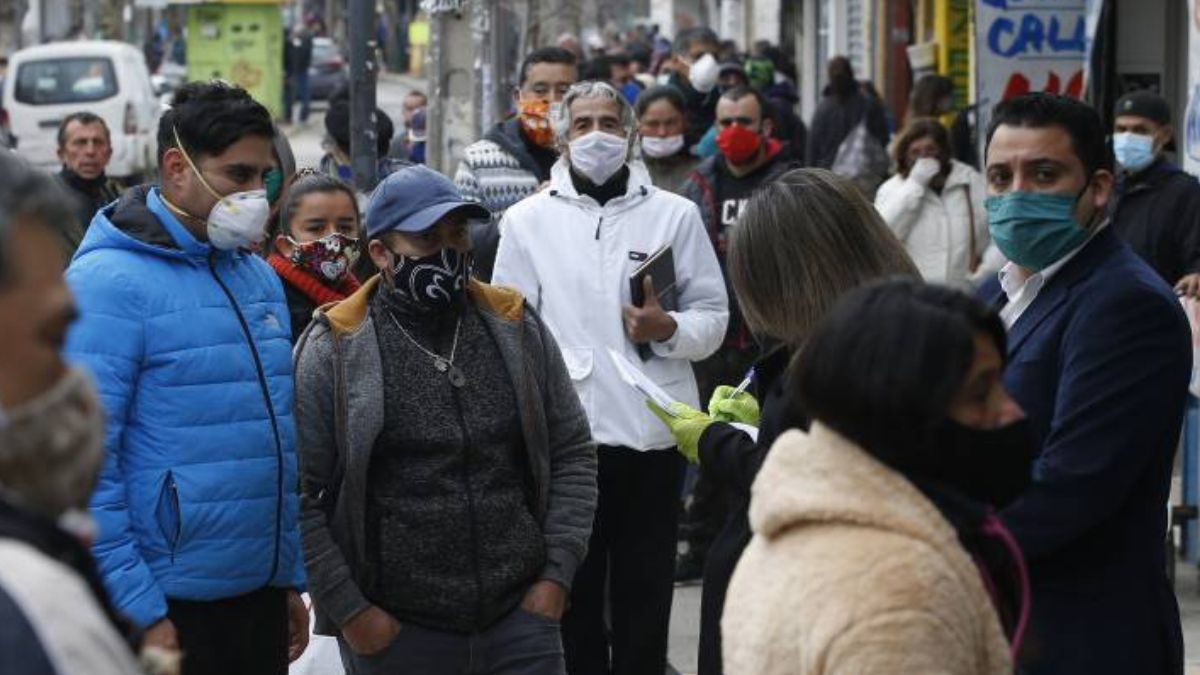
742	408
686	428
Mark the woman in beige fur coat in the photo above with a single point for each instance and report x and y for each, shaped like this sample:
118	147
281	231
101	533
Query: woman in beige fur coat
874	549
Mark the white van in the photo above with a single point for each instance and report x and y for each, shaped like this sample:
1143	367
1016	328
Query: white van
46	83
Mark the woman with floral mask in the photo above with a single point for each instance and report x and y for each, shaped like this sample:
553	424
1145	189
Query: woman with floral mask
316	246
662	124
449	478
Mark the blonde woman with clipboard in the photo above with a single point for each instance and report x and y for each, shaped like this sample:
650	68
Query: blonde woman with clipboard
802	242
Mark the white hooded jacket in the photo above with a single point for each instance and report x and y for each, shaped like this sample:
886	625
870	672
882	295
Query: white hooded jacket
572	259
936	229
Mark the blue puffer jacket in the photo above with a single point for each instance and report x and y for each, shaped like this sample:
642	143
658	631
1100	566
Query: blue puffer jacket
197	499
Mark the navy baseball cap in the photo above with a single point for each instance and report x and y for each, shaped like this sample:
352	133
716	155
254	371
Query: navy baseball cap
1144	104
413	199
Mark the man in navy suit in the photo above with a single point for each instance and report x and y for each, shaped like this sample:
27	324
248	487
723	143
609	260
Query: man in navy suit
1099	358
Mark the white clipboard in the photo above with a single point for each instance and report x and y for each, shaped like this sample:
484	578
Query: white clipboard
634	377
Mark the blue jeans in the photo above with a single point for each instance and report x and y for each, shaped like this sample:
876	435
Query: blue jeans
522	643
297	88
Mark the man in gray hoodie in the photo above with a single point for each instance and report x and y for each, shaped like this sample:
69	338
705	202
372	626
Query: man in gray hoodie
448	470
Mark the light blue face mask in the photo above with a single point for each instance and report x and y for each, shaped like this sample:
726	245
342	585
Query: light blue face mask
1035	229
1134	152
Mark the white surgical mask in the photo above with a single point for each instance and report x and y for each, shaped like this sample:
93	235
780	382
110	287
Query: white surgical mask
662	147
238	220
704	73
598	155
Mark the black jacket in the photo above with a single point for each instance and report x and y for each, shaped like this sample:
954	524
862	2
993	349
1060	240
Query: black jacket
733	458
89	197
701	108
298	57
789	128
300	309
834	120
1157	212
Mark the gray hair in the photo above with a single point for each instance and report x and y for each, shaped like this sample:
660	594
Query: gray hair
560	117
801	242
27	193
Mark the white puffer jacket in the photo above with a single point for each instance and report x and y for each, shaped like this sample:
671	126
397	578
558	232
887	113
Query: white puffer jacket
571	258
936	229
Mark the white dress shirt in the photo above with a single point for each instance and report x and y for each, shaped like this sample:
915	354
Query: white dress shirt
1022	290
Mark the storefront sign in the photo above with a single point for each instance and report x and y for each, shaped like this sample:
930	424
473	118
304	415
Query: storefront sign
1025	46
1191	130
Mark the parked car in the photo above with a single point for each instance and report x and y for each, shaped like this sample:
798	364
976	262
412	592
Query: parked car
46	83
327	73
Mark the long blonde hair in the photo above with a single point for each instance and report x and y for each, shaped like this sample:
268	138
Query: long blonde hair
801	242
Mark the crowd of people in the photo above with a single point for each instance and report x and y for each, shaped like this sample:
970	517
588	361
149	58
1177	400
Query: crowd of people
930	407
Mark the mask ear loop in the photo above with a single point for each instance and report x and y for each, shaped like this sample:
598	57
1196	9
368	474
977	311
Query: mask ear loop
192	165
1080	196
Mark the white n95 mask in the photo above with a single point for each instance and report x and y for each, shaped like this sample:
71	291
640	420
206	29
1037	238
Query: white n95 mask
704	73
238	220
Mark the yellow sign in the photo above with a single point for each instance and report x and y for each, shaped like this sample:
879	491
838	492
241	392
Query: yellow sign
240	42
952	29
418	33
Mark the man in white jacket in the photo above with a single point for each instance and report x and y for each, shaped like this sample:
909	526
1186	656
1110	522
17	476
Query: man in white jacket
571	250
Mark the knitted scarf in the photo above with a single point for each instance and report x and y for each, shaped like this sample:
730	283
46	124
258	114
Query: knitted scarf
313	288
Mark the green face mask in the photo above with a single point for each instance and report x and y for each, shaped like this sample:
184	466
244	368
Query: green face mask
1035	229
273	182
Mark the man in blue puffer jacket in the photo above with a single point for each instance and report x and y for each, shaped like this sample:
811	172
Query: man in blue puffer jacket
188	337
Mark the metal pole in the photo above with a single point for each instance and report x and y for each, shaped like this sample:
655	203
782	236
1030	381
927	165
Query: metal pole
362	94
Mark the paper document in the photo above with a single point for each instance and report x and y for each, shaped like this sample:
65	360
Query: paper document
634	377
750	431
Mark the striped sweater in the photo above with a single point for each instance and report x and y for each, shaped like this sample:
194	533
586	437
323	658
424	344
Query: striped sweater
497	171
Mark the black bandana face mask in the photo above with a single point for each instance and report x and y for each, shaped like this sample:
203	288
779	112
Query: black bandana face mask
432	284
993	466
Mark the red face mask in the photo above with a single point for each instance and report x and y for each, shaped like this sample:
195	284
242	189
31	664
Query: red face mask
739	144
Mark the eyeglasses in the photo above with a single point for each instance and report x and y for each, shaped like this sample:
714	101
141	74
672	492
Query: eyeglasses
741	121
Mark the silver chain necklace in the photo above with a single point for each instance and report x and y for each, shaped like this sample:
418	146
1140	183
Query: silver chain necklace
440	363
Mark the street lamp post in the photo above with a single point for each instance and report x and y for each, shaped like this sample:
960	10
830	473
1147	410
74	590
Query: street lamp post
362	94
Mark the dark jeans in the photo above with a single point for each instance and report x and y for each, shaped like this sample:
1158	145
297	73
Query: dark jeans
297	88
244	635
632	548
522	643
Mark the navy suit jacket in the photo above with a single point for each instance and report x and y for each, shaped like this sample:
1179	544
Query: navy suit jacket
1100	362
